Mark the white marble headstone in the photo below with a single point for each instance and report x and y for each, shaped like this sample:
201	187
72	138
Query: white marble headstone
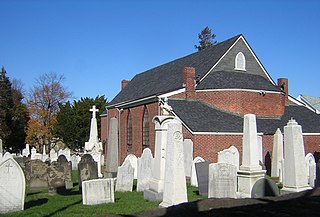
65	152
145	164
53	155
188	156
98	191
125	177
26	151
194	179
260	149
311	169
230	156
12	186
277	154
222	180
133	160
175	188
75	159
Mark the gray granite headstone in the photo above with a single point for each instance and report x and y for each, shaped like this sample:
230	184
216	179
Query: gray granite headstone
112	161
67	168
263	188
12	186
202	170
87	169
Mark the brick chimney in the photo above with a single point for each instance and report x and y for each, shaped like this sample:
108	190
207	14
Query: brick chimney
284	85
124	84
189	76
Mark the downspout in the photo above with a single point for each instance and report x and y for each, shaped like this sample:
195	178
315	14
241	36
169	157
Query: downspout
119	137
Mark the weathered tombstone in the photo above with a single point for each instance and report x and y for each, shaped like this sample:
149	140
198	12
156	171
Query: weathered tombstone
260	149
295	177
230	156
75	159
175	187
98	191
94	146
35	155
250	169
134	161
12	186
264	188
65	152
53	155
277	154
155	191
87	169
202	169
311	169
194	180
56	180
125	177
188	156
316	155
222	180
67	168
6	156
112	161
267	163
144	170
26	151
36	174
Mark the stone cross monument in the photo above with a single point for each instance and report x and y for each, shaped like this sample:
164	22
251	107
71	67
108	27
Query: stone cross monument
93	146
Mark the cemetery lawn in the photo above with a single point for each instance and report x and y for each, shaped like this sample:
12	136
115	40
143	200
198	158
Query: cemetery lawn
69	203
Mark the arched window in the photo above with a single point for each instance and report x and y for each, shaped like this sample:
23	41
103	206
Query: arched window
145	129
240	62
129	134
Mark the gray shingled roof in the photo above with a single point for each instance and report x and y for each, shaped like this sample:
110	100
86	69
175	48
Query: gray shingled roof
314	101
200	117
168	77
231	80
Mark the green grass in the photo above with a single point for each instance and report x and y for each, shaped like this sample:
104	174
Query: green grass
69	203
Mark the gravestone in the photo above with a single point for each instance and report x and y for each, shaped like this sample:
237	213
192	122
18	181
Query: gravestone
98	191
56	180
12	186
311	169
260	149
317	183
1	150
250	169
175	187
188	156
6	156
134	161
222	180
67	168
230	156
102	160
65	152
36	174
35	155
87	169
155	191
277	154
316	155
26	151
144	170
267	163
295	177
264	188
125	177
44	156
194	180
112	161
94	146
75	159
53	155
202	169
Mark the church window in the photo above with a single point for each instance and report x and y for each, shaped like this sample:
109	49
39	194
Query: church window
240	62
145	129
129	134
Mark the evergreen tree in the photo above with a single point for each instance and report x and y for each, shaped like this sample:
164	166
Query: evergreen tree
73	121
205	39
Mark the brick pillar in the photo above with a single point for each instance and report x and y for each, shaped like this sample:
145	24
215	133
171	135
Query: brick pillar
189	75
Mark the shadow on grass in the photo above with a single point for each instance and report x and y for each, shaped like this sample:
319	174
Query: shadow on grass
65	192
33	193
37	202
62	209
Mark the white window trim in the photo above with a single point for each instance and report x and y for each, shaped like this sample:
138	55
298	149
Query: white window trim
240	55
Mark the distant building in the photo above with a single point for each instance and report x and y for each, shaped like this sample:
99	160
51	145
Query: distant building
312	102
210	91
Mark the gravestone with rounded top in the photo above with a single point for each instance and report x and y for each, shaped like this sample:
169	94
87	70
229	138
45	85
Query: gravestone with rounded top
277	153
125	177
188	156
134	163
194	179
12	186
230	156
311	169
87	169
144	170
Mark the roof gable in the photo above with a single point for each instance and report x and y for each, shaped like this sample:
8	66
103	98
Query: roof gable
168	77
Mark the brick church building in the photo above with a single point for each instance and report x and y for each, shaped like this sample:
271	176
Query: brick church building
210	91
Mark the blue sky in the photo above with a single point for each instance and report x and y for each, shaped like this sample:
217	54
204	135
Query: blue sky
95	44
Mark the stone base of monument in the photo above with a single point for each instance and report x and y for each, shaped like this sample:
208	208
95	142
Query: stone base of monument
246	181
151	195
289	190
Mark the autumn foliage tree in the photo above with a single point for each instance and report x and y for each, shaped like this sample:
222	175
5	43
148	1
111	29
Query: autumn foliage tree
43	104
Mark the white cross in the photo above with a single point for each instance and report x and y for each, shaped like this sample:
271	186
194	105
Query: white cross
94	110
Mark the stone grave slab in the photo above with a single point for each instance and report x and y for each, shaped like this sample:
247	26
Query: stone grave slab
125	176
12	186
75	159
98	191
188	156
194	180
67	168
134	163
112	161
264	187
36	174
144	170
230	156
87	169
311	169
202	169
